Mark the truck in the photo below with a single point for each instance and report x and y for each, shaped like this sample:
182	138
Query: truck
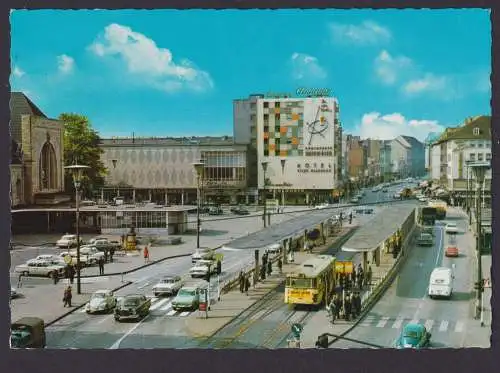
440	207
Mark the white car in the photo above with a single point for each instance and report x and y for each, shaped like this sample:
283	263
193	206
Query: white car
168	285
51	258
90	252
321	206
66	241
451	228
274	249
200	269
101	301
39	268
83	258
200	254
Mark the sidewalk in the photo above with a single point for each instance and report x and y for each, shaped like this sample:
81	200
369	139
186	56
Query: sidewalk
234	302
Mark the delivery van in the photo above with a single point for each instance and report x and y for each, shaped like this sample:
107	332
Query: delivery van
441	283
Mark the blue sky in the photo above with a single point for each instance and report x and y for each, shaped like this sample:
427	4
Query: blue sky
174	73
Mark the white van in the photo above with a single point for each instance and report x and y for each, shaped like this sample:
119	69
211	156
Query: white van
441	283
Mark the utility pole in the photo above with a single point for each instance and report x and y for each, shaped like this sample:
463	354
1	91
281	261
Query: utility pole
264	197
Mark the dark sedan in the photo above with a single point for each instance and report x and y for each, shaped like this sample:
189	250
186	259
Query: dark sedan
132	307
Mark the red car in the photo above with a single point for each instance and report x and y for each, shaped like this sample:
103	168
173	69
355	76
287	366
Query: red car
451	251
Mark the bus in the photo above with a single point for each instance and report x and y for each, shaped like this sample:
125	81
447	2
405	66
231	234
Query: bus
441	207
427	216
311	283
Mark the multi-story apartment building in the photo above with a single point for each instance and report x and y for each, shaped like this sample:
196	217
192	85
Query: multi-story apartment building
385	160
450	153
429	140
299	138
161	169
345	157
356	155
407	157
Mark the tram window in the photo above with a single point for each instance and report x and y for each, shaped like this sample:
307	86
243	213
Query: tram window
300	282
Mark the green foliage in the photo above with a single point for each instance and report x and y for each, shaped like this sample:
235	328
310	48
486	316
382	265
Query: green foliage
81	145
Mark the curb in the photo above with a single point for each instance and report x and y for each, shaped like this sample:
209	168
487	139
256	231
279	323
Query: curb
345	237
81	306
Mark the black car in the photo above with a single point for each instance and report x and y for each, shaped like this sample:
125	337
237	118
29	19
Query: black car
240	211
132	307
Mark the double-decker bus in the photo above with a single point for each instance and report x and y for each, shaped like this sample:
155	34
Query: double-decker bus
311	282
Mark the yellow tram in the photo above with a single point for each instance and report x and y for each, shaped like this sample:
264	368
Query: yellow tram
310	284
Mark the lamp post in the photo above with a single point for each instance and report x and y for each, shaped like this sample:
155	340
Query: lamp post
264	197
115	161
479	169
198	166
283	163
77	173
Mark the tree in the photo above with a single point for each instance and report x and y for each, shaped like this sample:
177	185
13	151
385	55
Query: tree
81	145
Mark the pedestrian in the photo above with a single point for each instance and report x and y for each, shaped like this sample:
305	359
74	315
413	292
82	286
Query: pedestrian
269	268
219	267
67	297
106	255
66	271
101	266
55	277
369	276
338	305
20	280
357	302
360	279
353	275
264	259
71	274
347	308
332	311
280	265
146	254
111	253
263	273
247	284
241	281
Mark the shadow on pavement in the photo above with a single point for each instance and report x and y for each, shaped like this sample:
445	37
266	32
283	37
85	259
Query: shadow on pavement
212	232
461	296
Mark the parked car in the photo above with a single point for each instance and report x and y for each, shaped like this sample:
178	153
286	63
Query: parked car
202	254
56	259
39	268
132	307
201	268
168	285
215	210
28	332
188	298
67	241
101	244
101	301
321	206
354	200
240	210
425	239
414	336
91	254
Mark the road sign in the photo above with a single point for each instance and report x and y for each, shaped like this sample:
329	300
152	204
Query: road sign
68	259
297	330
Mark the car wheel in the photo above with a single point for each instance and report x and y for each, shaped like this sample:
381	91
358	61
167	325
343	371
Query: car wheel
25	273
155	294
117	318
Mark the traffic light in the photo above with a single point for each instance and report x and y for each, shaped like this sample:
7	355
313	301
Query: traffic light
322	341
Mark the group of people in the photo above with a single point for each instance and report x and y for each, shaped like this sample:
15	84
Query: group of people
349	308
356	279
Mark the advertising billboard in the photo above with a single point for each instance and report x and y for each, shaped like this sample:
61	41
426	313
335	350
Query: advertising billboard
319	117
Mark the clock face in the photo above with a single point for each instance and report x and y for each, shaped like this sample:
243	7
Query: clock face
317	128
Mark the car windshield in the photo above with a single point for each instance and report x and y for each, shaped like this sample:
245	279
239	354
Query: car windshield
187	293
130	302
98	296
168	281
412	334
452	225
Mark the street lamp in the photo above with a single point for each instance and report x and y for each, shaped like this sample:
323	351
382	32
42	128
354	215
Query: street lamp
283	163
479	169
264	198
198	166
77	174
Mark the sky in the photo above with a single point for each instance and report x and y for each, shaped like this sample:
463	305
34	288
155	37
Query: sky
176	73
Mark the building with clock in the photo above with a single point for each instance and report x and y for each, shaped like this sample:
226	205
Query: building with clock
299	139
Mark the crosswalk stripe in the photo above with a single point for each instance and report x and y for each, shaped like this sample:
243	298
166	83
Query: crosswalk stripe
185	313
428	324
414	321
397	324
382	322
443	326
168	306
171	313
158	304
459	327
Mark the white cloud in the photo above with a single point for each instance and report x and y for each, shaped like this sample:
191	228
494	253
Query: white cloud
306	67
390	69
144	58
17	72
386	127
65	63
367	32
429	82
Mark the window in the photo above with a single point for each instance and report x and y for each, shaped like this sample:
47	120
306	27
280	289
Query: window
472	144
252	106
480	144
472	157
277	104
266	117
476	131
479	156
488	156
266	152
266	104
276	116
266	128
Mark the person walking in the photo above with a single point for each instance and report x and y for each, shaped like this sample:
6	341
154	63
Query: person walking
219	267
111	253
347	308
269	268
67	297
338	305
241	281
71	274
101	266
369	275
55	277
332	311
146	254
246	281
280	265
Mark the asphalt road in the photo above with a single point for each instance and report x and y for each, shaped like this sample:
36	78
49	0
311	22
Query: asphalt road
407	301
163	328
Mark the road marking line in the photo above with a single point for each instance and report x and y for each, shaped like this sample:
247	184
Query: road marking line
459	327
171	313
397	324
443	326
414	321
382	322
184	314
168	306
429	324
143	286
116	345
158	304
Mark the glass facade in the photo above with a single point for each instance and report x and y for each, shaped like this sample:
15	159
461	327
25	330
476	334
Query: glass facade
224	168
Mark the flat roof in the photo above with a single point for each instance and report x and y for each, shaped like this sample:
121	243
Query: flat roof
96	208
383	225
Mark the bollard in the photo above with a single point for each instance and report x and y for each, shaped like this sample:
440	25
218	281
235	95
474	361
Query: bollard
122	277
482	309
